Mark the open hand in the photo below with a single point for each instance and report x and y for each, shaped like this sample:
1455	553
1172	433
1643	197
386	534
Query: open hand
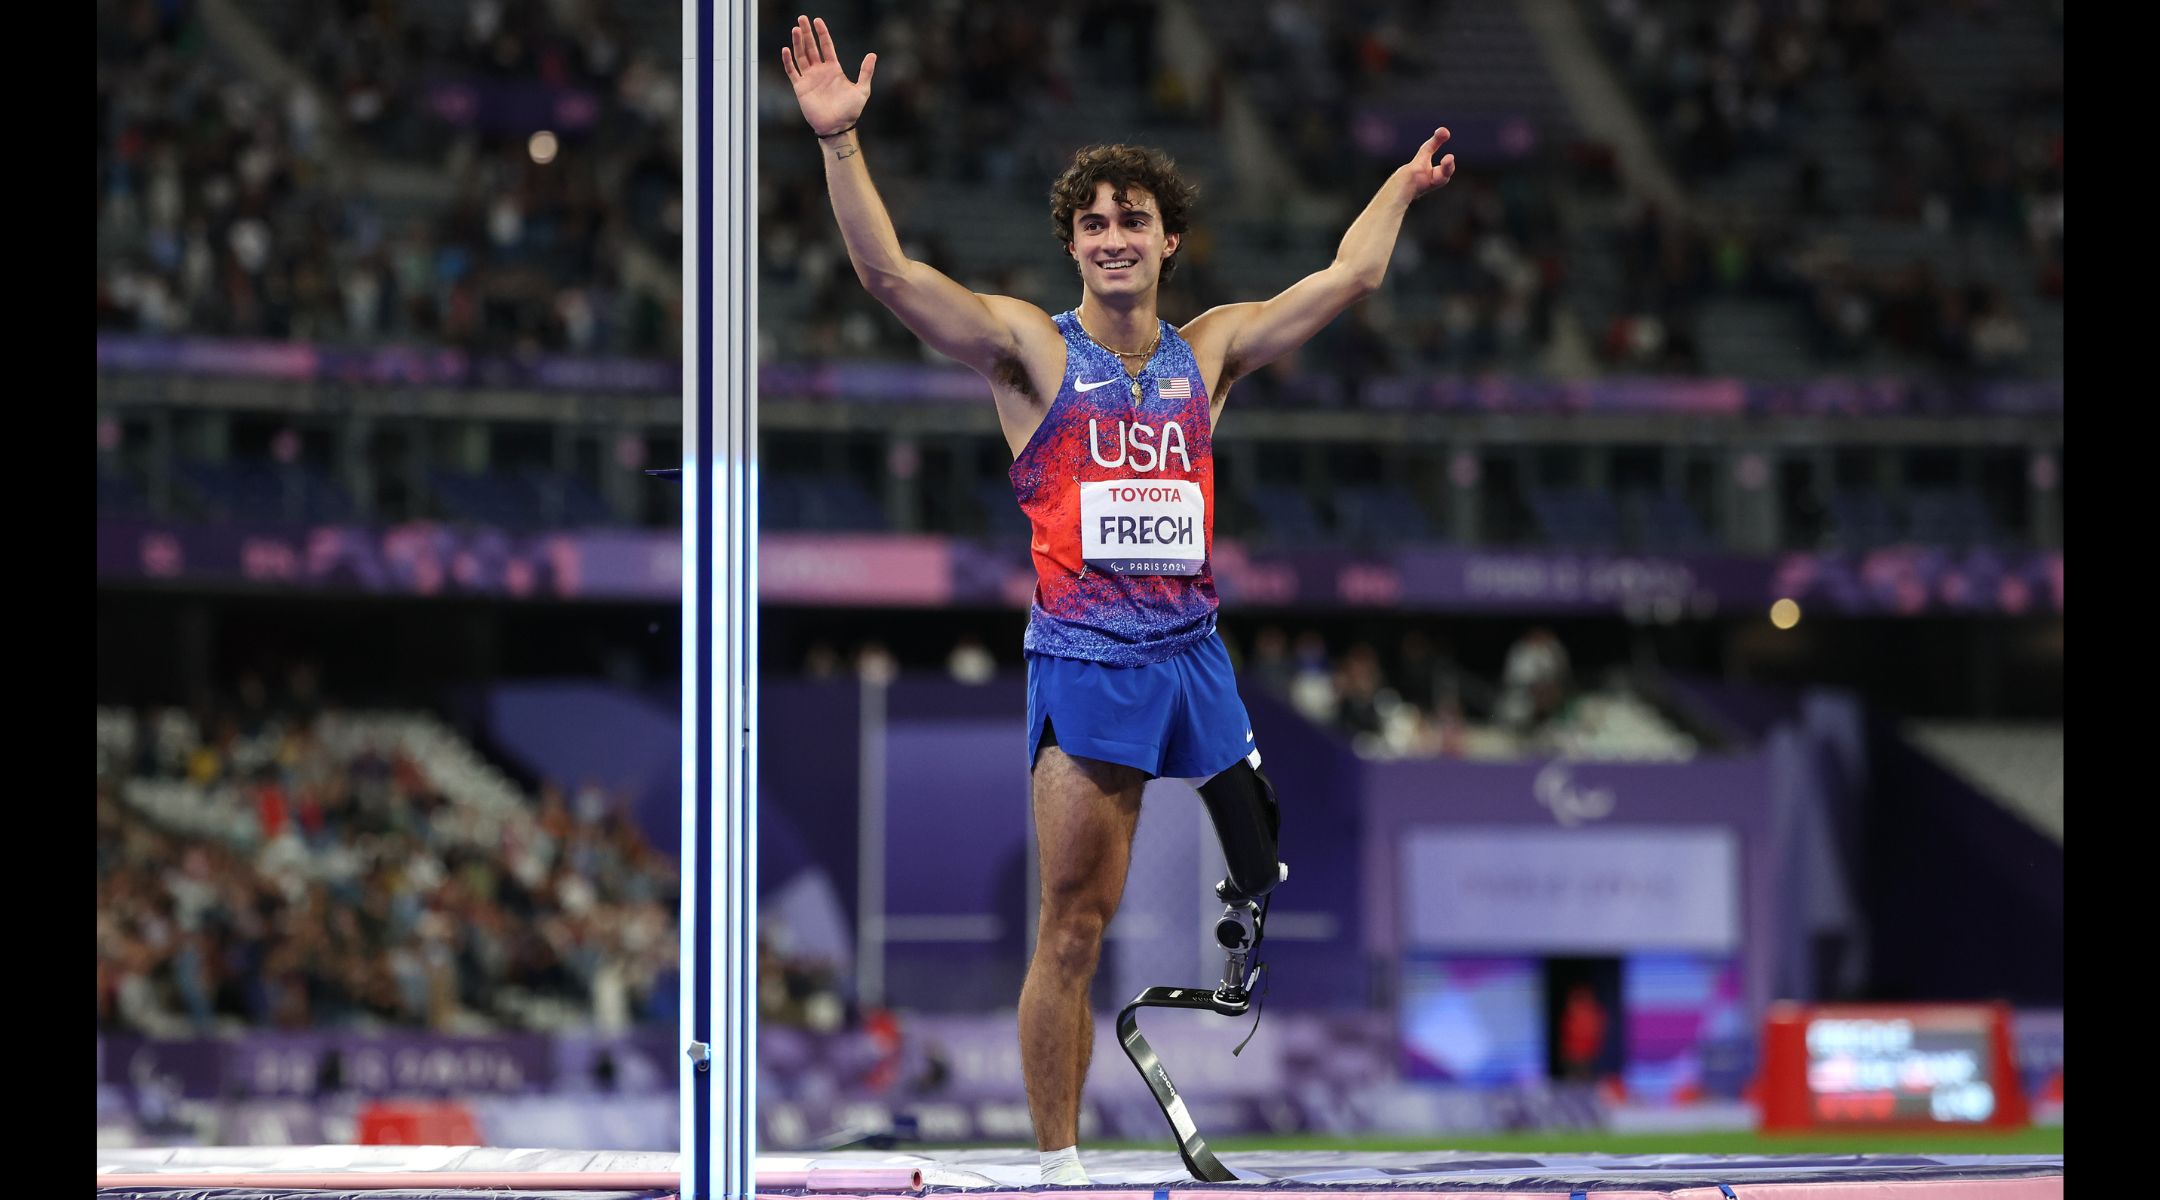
829	101
1425	174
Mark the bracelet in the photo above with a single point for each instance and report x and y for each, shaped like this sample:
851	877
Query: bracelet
837	132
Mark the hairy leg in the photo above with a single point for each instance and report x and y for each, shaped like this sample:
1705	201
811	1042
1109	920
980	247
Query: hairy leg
1085	814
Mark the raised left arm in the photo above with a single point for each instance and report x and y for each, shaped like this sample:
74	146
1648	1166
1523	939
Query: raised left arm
1250	336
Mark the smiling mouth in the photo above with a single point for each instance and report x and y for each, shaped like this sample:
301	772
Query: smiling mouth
1122	264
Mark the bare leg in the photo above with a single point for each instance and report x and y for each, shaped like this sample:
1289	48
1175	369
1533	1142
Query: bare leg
1085	814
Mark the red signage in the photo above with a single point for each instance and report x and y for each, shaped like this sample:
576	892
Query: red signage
1890	1066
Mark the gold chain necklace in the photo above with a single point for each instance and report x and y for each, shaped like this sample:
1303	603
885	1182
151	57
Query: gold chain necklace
1132	385
1147	353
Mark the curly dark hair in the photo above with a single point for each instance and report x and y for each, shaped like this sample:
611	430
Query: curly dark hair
1122	167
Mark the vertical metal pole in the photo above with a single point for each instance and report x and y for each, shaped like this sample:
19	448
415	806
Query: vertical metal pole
870	848
719	678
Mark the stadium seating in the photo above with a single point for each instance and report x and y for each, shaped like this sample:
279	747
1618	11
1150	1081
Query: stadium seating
259	491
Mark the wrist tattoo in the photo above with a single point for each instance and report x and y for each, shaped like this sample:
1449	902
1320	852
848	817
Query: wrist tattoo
844	151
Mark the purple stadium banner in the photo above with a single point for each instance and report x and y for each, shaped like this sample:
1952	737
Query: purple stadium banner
949	1078
1382	131
270	1066
1619	890
889	382
953	1078
429	559
512	108
648	1122
383	366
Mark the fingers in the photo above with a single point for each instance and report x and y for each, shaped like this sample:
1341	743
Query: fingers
824	43
787	64
1447	169
804	39
869	68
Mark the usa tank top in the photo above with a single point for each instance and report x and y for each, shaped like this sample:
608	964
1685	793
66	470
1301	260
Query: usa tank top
1118	484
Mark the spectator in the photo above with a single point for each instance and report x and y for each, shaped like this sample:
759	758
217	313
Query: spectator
970	661
1271	663
1535	683
876	664
1312	687
1362	701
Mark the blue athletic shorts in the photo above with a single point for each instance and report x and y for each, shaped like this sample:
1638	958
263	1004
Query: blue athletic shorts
1178	719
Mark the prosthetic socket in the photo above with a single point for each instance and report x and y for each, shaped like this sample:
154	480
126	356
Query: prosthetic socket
1241	803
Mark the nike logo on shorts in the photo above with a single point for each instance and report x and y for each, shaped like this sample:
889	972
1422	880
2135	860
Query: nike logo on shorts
1081	385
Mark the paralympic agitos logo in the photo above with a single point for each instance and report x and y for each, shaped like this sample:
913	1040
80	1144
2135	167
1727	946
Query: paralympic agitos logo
1571	803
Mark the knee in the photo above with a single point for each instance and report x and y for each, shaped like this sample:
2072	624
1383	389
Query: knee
1070	934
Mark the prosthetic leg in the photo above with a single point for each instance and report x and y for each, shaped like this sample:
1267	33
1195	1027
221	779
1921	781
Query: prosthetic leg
1241	802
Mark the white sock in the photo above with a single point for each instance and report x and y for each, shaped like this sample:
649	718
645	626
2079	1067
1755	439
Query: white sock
1062	1167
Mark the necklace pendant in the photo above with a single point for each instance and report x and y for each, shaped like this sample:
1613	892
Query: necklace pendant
1135	391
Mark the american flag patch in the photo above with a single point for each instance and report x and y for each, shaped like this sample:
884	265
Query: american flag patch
1175	389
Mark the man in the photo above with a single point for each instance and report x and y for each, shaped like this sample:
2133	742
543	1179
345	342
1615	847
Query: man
1110	414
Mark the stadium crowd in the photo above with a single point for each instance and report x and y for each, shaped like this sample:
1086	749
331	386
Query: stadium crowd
234	202
1729	84
1406	697
276	862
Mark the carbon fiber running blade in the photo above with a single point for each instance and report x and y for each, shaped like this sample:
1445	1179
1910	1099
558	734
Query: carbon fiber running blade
1199	1160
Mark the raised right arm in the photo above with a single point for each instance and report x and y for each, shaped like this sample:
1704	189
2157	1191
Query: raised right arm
984	332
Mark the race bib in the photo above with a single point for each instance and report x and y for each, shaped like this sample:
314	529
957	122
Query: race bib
1131	527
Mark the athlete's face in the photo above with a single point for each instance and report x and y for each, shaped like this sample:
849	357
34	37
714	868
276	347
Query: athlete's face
1121	247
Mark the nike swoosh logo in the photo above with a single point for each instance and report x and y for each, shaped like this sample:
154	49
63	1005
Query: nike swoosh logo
1084	386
